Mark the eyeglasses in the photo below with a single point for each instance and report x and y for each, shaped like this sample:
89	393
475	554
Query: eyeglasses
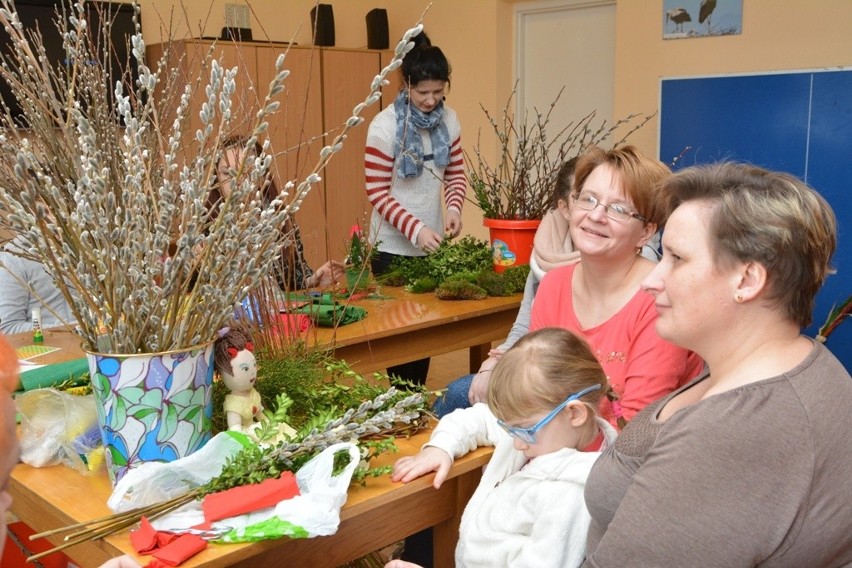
528	434
614	211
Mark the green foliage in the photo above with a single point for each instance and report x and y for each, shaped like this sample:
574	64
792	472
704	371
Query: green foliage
456	271
468	254
516	277
510	281
363	411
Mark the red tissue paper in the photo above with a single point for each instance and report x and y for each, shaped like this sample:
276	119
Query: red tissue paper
144	539
248	498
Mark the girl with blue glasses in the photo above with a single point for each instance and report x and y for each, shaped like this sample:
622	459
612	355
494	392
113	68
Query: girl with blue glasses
528	509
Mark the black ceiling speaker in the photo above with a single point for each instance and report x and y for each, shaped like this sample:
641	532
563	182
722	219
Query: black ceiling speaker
322	23
377	29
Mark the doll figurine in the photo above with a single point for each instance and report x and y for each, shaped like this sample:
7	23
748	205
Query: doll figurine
234	360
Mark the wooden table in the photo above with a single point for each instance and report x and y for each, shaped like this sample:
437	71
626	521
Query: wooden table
406	327
397	329
374	515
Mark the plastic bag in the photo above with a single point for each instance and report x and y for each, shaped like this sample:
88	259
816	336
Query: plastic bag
154	482
316	512
57	427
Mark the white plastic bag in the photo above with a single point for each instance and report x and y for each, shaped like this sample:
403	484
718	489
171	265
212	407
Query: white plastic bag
57	427
153	482
315	512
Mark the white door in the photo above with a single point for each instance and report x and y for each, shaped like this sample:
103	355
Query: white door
568	43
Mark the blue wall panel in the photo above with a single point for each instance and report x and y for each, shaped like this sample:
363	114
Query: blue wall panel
799	123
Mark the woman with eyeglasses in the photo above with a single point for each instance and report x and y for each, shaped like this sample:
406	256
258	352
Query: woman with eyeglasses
751	463
613	213
528	509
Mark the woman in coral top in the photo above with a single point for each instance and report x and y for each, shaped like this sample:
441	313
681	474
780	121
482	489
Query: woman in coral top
613	214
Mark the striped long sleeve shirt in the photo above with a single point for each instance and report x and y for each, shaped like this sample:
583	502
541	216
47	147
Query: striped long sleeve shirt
403	206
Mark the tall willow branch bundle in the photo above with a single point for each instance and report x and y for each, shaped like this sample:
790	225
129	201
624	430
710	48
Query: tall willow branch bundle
519	185
101	189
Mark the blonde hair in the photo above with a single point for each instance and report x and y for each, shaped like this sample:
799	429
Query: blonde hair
640	177
540	371
766	217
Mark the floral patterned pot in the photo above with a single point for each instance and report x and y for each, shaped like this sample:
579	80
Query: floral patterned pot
152	406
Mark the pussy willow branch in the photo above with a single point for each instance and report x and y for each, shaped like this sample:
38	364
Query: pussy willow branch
99	205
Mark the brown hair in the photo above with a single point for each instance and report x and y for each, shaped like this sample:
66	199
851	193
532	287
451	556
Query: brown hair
285	268
540	371
231	341
640	177
767	217
214	196
564	183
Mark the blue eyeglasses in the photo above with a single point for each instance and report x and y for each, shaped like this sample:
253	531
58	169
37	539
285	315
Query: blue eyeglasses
528	434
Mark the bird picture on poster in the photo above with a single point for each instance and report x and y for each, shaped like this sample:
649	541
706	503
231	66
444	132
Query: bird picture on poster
702	18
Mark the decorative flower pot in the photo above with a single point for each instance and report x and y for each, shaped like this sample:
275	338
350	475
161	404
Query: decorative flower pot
357	278
511	241
152	406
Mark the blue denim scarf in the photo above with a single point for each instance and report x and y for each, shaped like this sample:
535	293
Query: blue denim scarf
408	145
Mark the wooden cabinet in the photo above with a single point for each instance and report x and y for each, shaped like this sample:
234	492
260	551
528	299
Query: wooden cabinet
323	87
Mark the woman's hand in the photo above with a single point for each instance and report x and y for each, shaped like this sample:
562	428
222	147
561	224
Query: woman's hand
479	386
453	224
327	274
428	460
428	240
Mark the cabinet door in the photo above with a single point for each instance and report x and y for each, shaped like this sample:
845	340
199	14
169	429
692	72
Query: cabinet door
346	81
295	135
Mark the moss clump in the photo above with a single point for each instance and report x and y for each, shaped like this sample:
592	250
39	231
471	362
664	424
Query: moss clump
422	285
460	290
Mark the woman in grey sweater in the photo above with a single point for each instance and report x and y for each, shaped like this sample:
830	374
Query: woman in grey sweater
749	464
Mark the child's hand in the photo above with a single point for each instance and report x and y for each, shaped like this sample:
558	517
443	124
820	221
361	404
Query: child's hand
429	459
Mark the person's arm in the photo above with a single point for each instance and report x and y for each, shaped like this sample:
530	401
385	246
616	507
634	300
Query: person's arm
522	320
455	435
464	430
455	188
479	385
378	170
293	259
720	490
14	296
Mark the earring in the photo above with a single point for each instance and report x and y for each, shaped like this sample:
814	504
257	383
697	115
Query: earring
738	298
443	98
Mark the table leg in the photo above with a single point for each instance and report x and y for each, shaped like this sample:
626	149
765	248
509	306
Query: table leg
478	354
446	534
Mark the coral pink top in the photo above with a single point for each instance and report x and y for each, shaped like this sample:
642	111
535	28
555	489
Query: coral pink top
641	367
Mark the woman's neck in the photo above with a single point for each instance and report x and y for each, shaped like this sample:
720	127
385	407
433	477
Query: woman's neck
752	350
601	289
